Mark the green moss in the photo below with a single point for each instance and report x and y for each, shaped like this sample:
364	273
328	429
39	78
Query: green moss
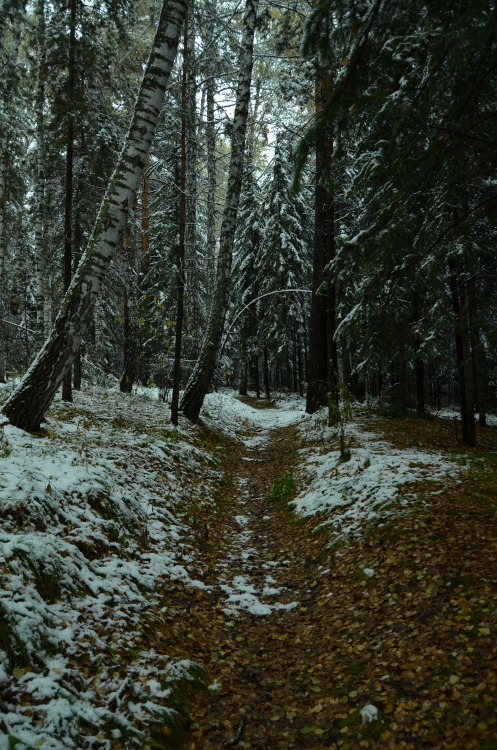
283	488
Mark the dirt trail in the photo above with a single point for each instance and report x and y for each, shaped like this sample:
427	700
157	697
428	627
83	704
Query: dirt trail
266	675
410	647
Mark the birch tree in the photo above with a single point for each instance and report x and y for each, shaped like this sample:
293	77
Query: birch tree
198	383
28	404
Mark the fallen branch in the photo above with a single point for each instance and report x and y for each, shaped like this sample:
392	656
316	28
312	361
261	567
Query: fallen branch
237	737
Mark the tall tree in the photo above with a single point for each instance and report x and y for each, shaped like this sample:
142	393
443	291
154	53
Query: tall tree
198	383
28	404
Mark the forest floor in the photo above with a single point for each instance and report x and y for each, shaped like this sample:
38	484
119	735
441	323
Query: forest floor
386	641
333	596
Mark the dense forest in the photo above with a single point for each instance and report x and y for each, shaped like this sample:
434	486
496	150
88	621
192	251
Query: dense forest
248	372
311	204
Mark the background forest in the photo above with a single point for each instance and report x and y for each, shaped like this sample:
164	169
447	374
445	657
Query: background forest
369	178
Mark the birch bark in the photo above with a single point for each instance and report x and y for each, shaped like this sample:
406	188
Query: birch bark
198	383
28	404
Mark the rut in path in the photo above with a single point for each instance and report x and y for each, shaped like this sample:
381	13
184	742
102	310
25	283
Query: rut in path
268	639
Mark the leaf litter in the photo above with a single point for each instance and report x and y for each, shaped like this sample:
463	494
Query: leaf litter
133	552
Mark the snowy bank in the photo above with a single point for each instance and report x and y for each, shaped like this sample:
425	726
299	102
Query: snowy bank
92	515
366	488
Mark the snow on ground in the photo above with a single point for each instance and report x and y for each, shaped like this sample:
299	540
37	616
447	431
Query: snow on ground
91	523
350	494
224	411
94	521
242	559
456	414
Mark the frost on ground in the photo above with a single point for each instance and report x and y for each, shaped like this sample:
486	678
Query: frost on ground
92	516
365	488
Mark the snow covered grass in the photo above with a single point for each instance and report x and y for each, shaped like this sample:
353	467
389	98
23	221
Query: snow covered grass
223	410
92	528
366	487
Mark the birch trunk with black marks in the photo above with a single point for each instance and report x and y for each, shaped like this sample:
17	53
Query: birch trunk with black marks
29	403
198	384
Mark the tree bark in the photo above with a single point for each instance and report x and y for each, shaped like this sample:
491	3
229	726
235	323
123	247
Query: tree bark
40	284
243	389
198	383
323	365
193	311
3	201
68	199
29	403
477	352
267	382
463	358
130	316
180	270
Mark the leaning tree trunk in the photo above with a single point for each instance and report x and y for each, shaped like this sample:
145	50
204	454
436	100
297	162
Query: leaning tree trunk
198	384
28	404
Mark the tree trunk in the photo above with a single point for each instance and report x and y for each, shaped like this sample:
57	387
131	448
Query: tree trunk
267	382
419	366
463	359
243	389
180	271
477	352
322	374
199	381
210	136
257	382
145	221
130	343
193	313
3	201
29	403
68	200
130	315
40	285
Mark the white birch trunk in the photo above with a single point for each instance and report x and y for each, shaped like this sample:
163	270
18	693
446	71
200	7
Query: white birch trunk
28	404
199	381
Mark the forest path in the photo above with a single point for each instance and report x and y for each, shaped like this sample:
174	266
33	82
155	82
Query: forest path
384	642
268	661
